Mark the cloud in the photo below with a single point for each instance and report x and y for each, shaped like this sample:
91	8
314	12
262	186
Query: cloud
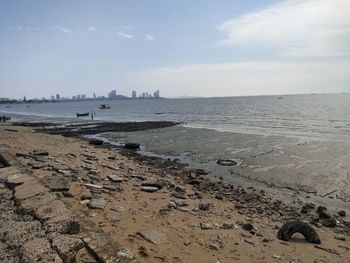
26	28
92	28
294	28
124	35
148	37
63	29
245	78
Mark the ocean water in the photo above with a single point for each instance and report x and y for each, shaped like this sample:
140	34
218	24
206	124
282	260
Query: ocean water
308	116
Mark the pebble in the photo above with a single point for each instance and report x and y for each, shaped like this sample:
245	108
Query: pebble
229	226
248	226
187	242
206	226
340	237
118	208
115	178
213	247
149	189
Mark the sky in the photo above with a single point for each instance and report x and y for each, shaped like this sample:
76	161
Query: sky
193	48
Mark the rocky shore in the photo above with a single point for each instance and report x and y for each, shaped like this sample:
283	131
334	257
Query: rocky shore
65	200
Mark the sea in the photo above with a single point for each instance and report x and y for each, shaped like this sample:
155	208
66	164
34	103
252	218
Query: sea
291	142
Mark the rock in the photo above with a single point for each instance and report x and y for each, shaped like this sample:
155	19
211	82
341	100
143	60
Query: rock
96	142
213	247
187	243
115	178
126	254
180	202
29	205
157	184
57	183
41	153
165	211
29	189
229	226
97	203
86	196
39	250
206	226
37	165
118	208
329	222
52	209
153	236
172	205
149	189
132	146
290	228
94	186
324	215
67	194
67	247
340	237
321	208
204	207
17	179
342	213
226	162
248	226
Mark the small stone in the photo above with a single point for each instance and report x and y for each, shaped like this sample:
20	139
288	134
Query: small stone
149	189
125	254
152	236
67	194
204	207
229	226
97	203
165	210
180	202
118	208
248	226
342	213
115	178
187	243
213	247
206	226
172	205
340	237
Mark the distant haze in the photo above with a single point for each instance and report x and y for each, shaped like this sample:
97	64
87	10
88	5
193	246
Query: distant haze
192	48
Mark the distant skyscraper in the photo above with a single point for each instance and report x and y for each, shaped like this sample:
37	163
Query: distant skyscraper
58	97
156	94
112	94
74	98
83	96
52	97
78	97
134	94
94	95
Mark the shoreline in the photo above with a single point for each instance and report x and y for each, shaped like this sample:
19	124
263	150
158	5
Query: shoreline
206	202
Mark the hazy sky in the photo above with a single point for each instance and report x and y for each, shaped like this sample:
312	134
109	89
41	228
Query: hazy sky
182	47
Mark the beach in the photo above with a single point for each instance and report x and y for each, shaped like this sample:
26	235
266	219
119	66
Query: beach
137	208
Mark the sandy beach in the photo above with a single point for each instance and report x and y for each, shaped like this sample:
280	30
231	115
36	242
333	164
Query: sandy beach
131	208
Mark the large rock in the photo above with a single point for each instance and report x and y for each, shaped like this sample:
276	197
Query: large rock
57	183
39	250
29	189
153	236
29	205
67	247
115	178
52	209
17	179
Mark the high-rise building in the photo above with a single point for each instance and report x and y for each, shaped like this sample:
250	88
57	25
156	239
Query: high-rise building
134	94
52	97
156	94
83	96
94	95
58	97
112	94
78	97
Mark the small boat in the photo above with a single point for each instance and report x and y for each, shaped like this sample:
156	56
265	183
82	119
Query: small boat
104	107
83	114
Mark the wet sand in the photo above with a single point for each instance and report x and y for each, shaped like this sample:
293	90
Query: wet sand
189	217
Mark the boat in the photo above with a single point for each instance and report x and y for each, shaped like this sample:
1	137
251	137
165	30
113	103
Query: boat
83	114
104	107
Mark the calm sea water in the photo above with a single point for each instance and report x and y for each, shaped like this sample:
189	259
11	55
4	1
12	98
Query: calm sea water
311	116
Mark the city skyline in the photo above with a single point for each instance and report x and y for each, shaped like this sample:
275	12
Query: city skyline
237	48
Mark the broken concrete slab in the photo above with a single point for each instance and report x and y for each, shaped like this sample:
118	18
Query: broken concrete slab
39	250
52	209
64	224
67	247
153	236
29	189
14	180
31	204
57	183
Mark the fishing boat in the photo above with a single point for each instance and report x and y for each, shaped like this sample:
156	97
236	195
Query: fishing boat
83	114
104	107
